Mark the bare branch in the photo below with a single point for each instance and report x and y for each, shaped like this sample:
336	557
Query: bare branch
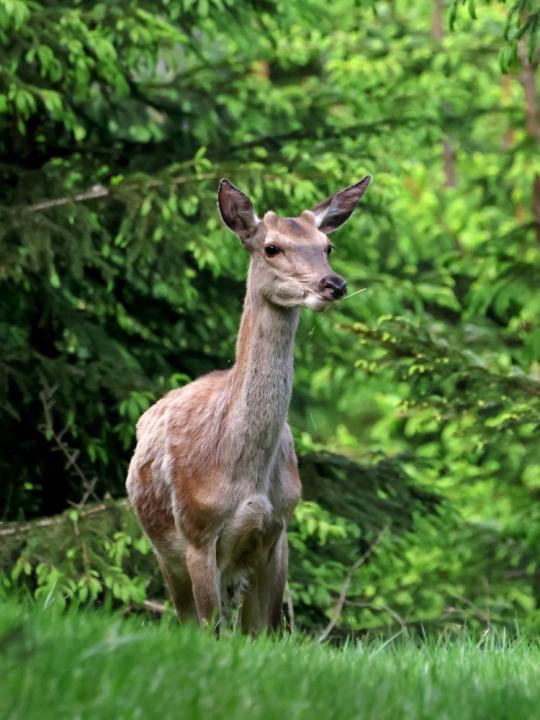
71	455
98	191
155	606
21	528
343	594
385	608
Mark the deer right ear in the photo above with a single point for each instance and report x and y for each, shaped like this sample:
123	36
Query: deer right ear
337	209
236	211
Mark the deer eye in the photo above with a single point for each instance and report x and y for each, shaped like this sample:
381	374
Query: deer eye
329	249
271	250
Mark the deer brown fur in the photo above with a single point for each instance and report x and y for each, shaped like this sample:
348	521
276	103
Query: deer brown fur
214	478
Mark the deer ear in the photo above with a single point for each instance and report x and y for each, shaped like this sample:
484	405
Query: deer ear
236	210
337	209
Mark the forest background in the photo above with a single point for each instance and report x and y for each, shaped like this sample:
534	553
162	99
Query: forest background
416	404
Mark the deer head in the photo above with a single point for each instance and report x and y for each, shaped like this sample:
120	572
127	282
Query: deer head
289	256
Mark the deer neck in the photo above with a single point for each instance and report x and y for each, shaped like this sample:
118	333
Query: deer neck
263	372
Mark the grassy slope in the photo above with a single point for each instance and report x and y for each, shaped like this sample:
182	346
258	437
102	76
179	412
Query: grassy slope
86	665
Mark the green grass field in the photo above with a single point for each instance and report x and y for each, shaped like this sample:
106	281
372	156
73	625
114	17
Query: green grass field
92	665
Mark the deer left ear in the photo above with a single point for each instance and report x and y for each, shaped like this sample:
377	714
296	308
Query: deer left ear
337	209
236	210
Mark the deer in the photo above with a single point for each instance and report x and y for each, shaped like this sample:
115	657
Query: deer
214	475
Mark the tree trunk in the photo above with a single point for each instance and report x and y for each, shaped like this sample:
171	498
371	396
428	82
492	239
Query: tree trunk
532	124
449	157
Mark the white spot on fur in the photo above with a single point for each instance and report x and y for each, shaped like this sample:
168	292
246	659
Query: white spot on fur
316	303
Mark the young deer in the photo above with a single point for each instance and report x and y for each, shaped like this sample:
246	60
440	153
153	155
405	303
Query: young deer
214	476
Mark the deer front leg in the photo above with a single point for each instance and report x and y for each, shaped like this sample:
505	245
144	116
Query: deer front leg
204	574
179	584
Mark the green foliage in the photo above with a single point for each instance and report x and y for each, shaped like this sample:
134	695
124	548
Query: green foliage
117	121
379	541
98	554
522	25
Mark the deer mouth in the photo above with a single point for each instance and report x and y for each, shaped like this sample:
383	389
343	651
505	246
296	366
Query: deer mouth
316	302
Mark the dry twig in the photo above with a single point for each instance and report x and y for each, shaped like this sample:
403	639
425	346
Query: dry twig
17	528
343	594
71	455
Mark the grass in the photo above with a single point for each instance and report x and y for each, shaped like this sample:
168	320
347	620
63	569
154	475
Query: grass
84	664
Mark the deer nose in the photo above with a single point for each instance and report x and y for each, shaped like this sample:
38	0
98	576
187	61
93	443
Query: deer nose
333	285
